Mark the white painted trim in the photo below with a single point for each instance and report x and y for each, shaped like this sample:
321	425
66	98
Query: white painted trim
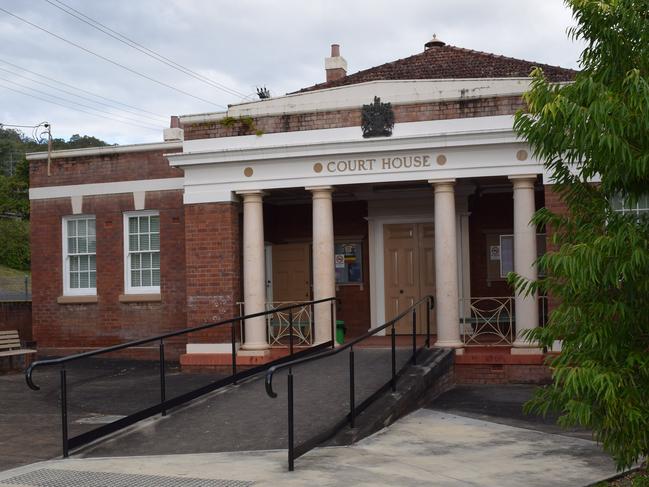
211	347
77	204
478	147
397	92
93	189
128	289
105	150
139	198
67	290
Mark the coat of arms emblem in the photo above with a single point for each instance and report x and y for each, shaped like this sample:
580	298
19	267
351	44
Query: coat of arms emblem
377	119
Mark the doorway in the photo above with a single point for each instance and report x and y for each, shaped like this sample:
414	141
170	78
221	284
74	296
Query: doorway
409	267
291	272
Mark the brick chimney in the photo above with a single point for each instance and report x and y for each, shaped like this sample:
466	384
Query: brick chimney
335	66
174	133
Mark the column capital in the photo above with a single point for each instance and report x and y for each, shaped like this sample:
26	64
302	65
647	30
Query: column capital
252	195
321	192
435	182
318	189
443	185
245	192
522	180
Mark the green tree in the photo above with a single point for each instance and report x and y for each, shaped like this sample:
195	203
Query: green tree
597	129
14	190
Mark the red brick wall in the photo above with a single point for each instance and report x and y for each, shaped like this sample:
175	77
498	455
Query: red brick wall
64	328
17	315
482	107
213	256
553	203
294	223
129	166
490	212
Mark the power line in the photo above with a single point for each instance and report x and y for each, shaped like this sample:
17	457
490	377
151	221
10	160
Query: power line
95	24
17	126
146	117
162	83
117	102
76	109
73	102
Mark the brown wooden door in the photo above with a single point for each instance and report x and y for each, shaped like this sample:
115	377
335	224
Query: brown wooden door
409	271
291	276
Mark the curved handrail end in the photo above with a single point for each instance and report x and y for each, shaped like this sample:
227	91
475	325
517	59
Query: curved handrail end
269	382
28	378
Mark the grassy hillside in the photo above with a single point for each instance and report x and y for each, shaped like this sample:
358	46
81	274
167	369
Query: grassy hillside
12	284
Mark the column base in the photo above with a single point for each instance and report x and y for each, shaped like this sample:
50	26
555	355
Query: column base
457	345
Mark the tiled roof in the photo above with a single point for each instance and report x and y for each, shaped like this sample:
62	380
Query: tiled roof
449	62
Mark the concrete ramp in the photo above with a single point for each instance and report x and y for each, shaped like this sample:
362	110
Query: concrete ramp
425	448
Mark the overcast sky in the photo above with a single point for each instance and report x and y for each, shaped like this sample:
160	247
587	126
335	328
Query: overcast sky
241	44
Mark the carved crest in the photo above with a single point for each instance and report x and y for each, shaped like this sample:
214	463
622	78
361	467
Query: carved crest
377	119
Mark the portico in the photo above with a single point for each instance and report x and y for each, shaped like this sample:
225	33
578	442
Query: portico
425	172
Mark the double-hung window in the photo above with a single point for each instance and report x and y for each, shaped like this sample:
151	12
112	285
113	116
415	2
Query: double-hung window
624	206
142	252
79	256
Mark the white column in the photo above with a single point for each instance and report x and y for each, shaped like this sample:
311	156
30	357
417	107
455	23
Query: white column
324	277
526	307
254	286
446	280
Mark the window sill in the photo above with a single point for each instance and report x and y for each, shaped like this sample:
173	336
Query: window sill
88	299
140	298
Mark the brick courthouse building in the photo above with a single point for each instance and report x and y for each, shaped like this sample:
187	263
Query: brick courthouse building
284	200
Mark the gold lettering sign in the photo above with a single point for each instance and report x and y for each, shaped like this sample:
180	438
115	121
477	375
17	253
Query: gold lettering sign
402	162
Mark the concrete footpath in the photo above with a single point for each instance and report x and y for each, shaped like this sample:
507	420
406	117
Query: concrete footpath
425	448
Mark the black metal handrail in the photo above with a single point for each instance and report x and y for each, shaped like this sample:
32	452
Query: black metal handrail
165	403
295	452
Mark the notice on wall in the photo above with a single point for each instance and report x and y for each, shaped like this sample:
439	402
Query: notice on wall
348	263
494	252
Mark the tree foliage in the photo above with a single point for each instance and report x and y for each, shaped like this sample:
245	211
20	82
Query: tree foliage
597	129
14	190
14	244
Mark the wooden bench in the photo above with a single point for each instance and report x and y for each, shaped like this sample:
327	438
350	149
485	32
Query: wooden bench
11	347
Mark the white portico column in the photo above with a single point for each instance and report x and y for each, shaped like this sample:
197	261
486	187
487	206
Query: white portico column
526	307
324	277
446	280
254	286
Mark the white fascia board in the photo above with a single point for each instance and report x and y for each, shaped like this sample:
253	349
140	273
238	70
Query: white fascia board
347	140
399	92
105	150
217	182
94	189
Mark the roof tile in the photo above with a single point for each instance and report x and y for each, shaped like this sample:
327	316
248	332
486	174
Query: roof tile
449	62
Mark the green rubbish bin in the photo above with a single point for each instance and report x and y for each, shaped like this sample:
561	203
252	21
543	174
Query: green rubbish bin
340	331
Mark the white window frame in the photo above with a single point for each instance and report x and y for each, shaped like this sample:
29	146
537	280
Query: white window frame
128	289
67	290
619	205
